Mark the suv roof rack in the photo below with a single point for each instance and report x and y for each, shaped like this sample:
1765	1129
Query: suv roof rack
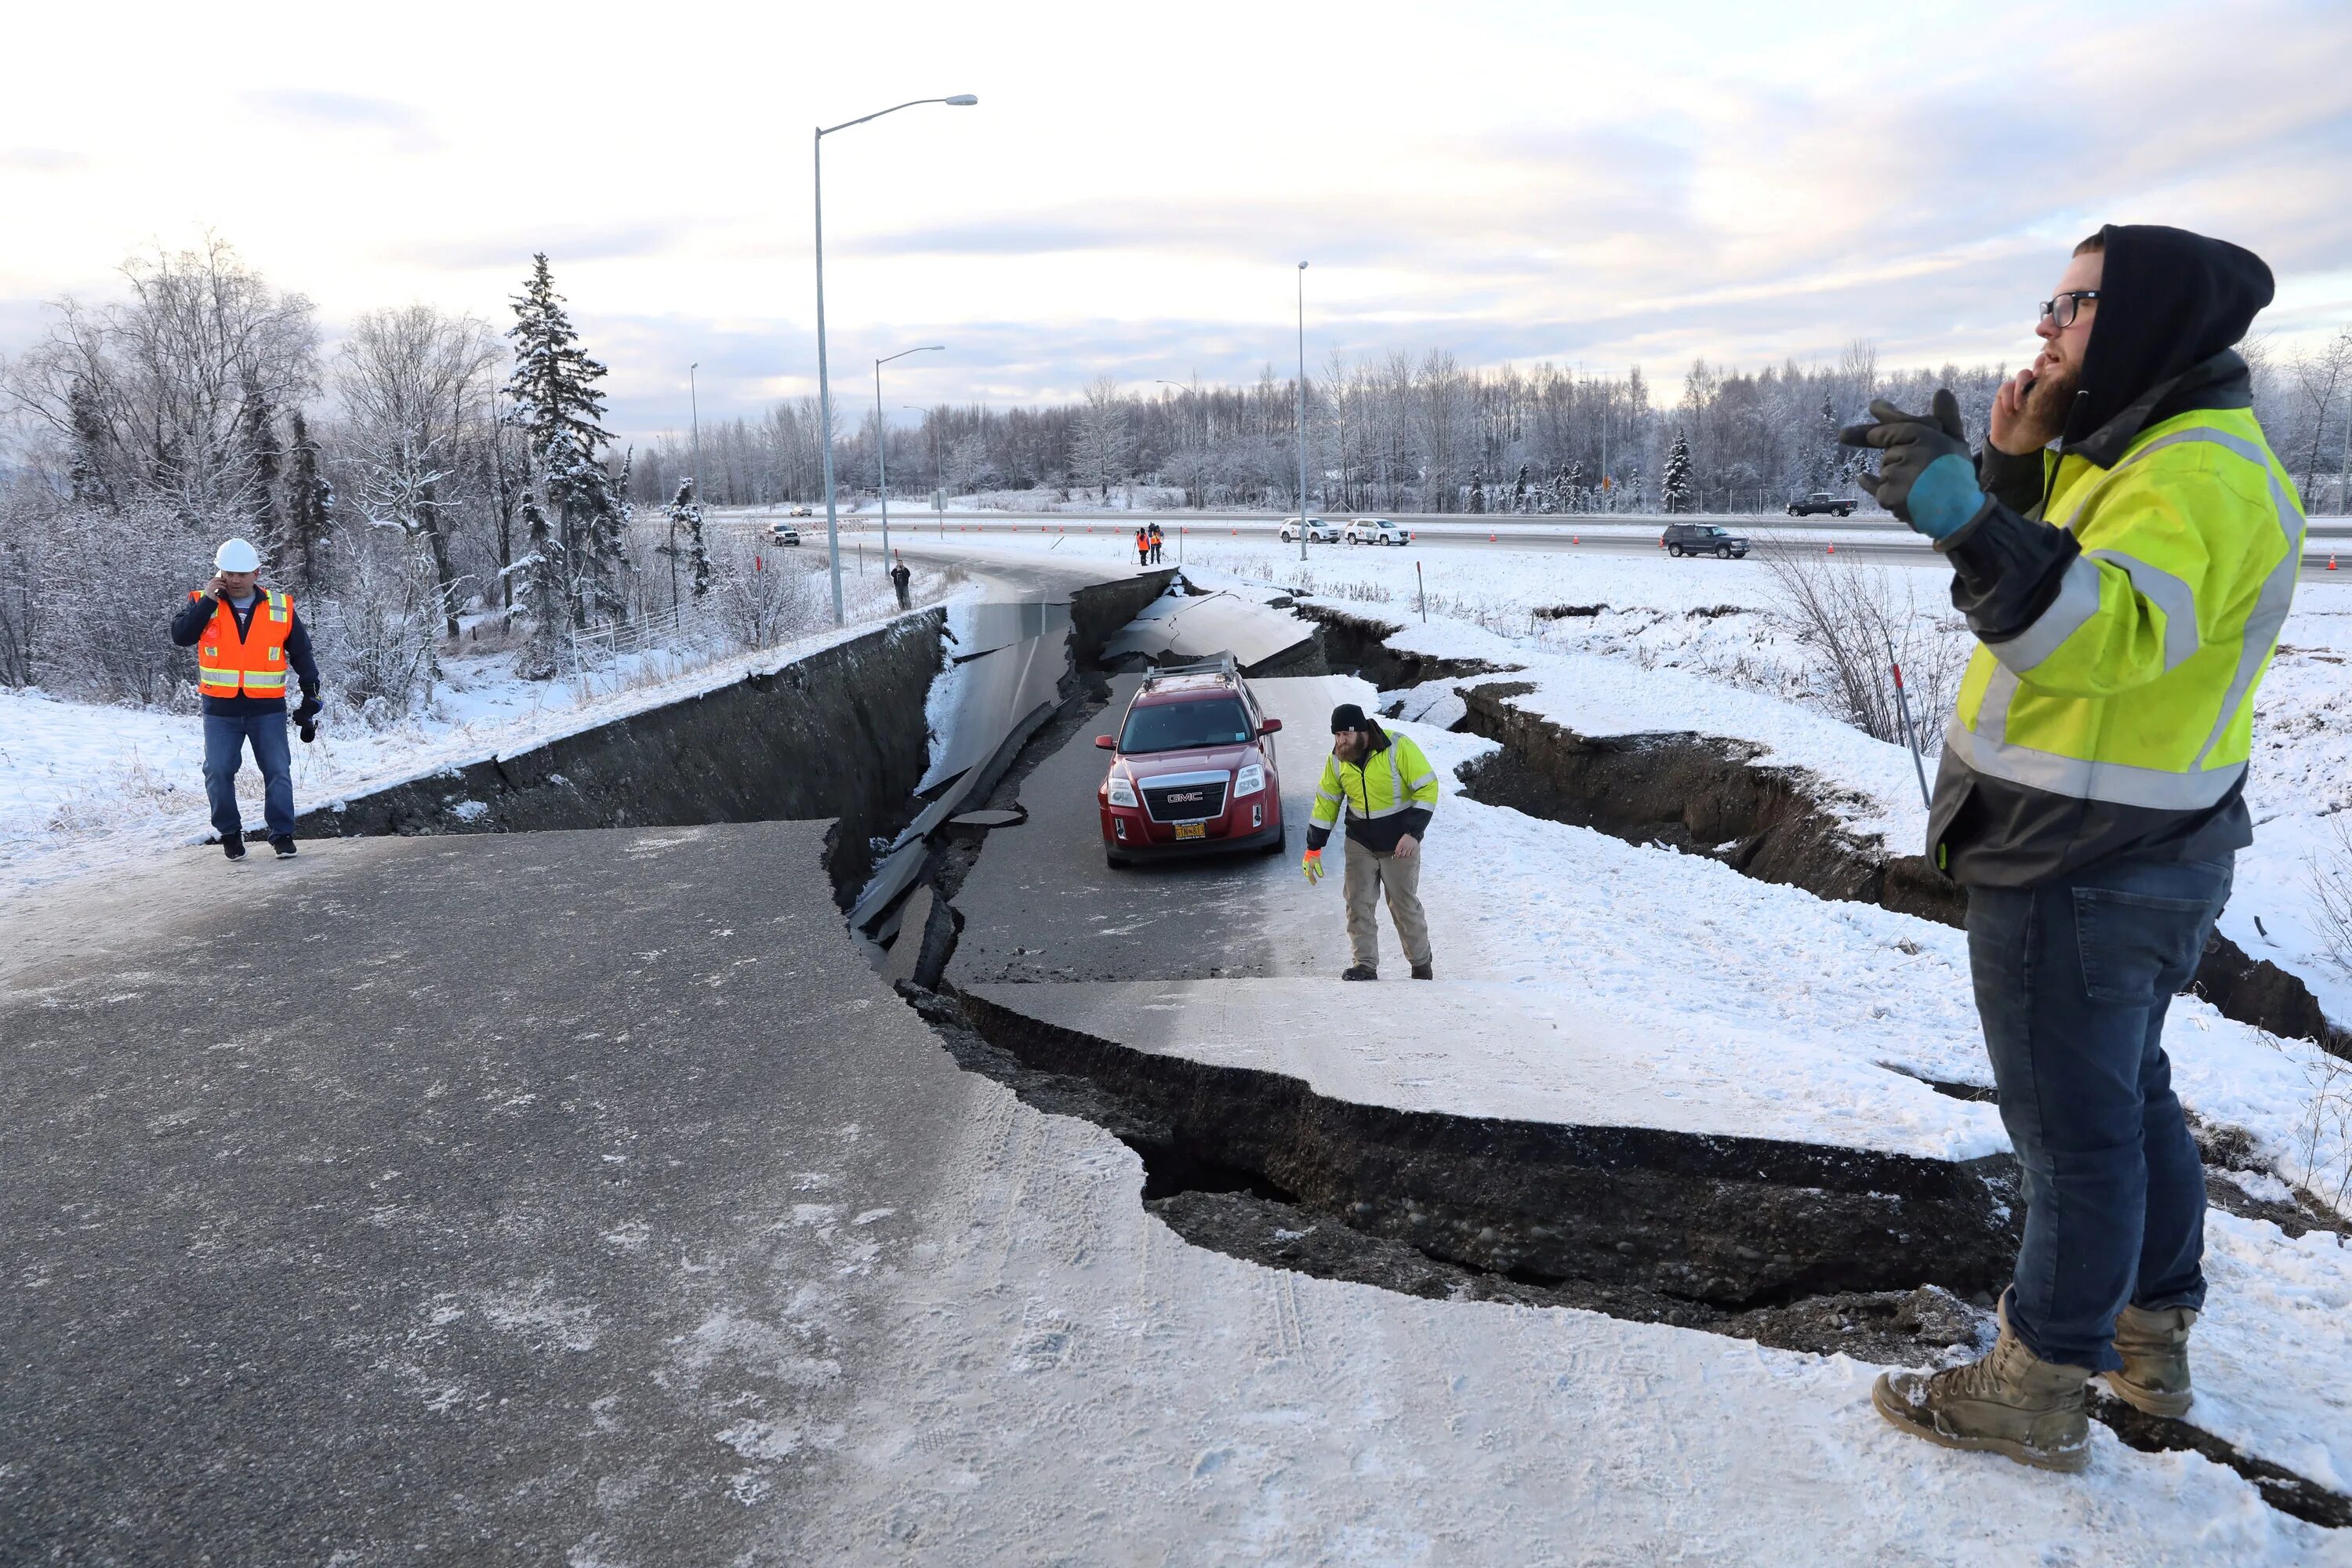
1223	663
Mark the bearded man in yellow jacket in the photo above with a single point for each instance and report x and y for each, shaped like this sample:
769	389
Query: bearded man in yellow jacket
2125	549
1388	792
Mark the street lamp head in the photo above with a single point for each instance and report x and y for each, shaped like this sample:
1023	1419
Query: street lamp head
964	100
1302	266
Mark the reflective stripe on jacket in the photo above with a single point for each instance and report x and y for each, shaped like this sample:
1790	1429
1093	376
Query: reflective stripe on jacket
1397	778
2135	686
252	664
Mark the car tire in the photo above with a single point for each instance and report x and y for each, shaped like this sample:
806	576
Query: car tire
1675	551
1724	554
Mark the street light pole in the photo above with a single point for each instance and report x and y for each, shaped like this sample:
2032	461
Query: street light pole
1305	527
882	441
824	380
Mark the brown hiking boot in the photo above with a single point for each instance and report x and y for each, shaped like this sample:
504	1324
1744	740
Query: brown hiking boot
2154	1348
2011	1401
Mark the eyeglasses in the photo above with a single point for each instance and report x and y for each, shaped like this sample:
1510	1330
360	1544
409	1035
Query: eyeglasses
2060	311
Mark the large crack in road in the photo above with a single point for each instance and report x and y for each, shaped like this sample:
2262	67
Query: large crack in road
1884	1256
1880	1256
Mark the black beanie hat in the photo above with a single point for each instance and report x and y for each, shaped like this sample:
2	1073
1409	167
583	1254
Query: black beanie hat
1347	716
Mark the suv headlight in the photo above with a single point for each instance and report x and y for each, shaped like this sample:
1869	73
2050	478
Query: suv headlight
1122	790
1249	780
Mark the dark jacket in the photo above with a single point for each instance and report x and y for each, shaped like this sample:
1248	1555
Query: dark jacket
189	623
2171	305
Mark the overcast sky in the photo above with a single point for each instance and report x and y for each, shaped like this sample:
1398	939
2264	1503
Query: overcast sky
1607	184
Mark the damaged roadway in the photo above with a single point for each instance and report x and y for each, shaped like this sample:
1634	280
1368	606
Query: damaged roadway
582	1196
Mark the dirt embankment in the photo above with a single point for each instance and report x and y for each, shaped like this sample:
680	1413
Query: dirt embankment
1708	796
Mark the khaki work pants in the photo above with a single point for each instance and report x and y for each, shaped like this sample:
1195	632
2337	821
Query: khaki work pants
1369	872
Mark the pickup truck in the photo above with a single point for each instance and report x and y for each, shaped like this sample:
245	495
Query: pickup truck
1821	501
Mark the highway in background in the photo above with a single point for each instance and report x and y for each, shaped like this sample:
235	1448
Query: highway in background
1881	540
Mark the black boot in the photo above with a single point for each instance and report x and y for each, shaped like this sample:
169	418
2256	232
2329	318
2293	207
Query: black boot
233	845
284	844
1359	972
1422	972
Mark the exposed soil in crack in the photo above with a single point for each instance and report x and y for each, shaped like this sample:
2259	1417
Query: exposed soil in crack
1259	1167
1883	1258
1708	795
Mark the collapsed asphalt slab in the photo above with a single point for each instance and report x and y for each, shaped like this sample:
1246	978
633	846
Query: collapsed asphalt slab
484	1198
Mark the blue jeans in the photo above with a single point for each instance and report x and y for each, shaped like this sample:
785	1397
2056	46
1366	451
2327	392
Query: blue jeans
2073	980
224	739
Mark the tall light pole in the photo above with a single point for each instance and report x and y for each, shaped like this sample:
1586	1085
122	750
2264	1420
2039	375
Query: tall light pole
882	440
1303	527
823	382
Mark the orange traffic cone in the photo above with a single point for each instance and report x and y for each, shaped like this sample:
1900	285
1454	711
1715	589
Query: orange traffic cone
2331	560
1833	549
1490	536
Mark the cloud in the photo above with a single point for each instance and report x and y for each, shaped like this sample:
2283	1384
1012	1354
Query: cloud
345	111
563	243
40	160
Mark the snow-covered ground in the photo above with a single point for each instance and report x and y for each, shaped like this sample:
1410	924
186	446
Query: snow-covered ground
84	786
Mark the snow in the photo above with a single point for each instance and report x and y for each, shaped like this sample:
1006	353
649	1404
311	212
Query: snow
84	786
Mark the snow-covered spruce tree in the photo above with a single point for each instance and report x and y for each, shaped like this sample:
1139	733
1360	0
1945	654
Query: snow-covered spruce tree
308	500
87	443
1478	492
1677	486
542	589
262	456
686	516
556	406
1519	490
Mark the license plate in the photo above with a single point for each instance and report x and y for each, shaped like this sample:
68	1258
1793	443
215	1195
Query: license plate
1191	829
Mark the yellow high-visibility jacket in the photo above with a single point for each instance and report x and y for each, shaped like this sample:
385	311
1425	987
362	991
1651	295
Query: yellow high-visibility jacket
2135	686
1392	793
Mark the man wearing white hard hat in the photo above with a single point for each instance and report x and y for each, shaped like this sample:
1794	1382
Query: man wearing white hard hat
247	638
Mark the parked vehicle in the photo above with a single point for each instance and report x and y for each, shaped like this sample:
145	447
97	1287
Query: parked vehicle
1375	531
1703	539
1192	769
1821	501
784	533
1319	530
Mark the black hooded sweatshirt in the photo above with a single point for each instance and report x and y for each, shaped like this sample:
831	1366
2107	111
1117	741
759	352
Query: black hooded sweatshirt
2171	305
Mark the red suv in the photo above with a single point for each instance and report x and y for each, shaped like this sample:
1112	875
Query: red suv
1195	772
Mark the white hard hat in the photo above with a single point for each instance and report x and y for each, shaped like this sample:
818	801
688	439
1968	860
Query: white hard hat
236	555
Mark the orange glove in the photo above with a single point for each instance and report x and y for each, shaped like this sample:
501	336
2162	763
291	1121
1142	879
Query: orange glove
1312	864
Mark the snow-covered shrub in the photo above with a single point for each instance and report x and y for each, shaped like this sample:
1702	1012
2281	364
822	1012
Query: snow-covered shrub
1853	622
766	596
94	591
375	642
2330	868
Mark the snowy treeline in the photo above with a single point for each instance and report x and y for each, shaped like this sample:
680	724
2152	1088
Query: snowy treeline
1426	435
430	477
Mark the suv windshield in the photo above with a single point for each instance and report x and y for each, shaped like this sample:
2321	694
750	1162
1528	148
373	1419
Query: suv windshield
1185	726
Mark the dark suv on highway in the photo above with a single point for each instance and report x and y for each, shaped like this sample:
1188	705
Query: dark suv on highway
1194	771
1703	539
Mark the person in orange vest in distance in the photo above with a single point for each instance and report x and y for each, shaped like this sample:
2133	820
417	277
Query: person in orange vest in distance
246	638
1159	540
1142	547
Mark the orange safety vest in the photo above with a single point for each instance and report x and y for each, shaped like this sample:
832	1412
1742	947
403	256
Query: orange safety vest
254	663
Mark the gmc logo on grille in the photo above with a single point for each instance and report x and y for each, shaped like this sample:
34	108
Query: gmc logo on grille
1181	798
